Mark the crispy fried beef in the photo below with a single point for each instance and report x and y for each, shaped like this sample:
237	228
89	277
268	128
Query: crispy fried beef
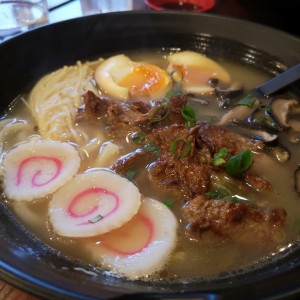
127	116
120	116
218	137
190	173
126	162
242	223
256	182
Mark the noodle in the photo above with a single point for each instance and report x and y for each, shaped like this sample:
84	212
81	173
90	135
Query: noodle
10	127
55	99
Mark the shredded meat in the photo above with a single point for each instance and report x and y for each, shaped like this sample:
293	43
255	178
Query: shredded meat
94	105
191	174
239	221
120	116
188	174
256	182
123	164
217	137
125	116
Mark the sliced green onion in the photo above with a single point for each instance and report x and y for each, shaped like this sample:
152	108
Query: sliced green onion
131	174
138	137
169	203
189	115
264	115
247	101
218	193
180	147
171	93
156	113
151	147
96	219
219	157
219	162
221	193
232	199
265	108
239	163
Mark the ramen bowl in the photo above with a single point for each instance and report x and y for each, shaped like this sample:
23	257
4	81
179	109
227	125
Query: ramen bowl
32	265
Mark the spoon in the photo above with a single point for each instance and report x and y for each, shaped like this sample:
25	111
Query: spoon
277	83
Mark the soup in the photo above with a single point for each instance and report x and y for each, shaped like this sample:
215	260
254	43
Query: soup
155	166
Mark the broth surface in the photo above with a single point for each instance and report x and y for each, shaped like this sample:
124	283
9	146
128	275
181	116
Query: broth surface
192	258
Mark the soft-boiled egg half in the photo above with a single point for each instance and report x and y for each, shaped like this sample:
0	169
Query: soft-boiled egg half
122	78
194	70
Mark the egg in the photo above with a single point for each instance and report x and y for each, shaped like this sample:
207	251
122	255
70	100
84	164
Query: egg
193	70
122	78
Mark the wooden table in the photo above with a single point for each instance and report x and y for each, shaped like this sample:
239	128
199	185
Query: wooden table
279	16
8	292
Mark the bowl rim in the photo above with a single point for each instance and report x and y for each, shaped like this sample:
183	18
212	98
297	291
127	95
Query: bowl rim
9	271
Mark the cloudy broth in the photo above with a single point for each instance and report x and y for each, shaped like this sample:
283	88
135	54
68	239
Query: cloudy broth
192	258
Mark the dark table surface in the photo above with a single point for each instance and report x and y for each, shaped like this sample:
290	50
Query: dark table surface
279	14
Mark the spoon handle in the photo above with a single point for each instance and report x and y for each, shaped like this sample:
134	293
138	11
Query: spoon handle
280	81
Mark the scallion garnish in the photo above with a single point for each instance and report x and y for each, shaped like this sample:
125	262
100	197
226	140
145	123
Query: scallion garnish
189	115
221	193
171	93
263	114
131	174
218	162
138	137
220	157
151	147
239	163
180	147
169	203
96	219
160	112
218	193
247	101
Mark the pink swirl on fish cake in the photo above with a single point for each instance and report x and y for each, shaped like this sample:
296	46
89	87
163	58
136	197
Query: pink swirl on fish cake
141	221
80	197
34	180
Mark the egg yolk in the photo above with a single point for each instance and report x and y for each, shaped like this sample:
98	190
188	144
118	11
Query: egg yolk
145	80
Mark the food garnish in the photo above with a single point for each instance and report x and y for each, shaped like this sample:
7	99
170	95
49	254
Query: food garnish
34	170
140	247
88	196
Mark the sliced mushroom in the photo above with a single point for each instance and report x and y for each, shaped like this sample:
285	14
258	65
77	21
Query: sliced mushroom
238	113
295	124
262	117
294	137
225	96
297	180
282	108
263	136
281	153
198	98
257	131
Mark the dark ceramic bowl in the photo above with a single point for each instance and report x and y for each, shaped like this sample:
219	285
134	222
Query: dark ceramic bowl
29	264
